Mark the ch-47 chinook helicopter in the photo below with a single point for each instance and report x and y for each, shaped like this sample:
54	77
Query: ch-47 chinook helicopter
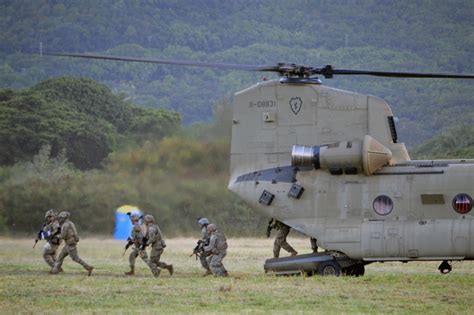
328	163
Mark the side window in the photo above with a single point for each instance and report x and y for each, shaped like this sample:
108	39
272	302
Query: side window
383	205
462	203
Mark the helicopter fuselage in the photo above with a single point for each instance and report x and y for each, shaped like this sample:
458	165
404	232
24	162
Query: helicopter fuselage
401	210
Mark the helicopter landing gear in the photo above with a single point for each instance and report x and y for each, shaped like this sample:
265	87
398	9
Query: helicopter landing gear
445	267
329	268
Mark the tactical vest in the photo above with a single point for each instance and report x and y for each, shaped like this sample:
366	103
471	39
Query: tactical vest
221	241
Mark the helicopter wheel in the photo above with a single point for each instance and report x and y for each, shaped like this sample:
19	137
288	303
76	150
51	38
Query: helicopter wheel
356	270
329	268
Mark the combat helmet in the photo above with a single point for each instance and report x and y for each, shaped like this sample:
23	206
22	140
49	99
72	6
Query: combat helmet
203	221
149	219
211	227
133	216
50	213
63	216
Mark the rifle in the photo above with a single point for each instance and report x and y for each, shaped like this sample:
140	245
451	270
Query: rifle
198	249
129	243
144	243
40	235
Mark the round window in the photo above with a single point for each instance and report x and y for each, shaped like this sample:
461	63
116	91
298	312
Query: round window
383	205
462	203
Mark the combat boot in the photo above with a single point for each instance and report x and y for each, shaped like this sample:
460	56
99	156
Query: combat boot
89	271
170	269
131	272
207	273
294	253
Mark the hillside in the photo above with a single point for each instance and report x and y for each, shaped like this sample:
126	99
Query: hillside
452	143
380	35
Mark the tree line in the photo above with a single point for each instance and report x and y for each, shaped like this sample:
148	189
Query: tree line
78	116
145	158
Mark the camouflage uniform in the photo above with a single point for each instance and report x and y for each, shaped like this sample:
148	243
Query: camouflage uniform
155	240
218	250
203	222
136	237
50	232
280	240
70	237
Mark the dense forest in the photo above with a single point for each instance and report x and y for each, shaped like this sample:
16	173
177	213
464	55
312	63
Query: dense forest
144	135
381	35
79	147
78	116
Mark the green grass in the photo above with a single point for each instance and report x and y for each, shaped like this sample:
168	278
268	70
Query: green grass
26	286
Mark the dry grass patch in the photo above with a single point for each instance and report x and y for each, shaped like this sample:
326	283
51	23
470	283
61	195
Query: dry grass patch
25	285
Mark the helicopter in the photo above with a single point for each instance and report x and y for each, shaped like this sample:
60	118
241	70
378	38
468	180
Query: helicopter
328	163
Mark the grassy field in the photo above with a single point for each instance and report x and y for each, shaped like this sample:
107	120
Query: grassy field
26	286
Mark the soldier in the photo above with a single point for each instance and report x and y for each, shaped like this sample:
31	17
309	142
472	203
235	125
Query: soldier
217	250
155	240
280	239
136	238
203	223
50	232
70	237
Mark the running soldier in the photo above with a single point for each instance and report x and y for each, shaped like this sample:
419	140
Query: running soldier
70	237
280	239
50	232
136	239
203	223
217	250
154	239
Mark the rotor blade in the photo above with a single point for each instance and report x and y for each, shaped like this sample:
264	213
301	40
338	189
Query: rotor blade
328	71
282	68
171	62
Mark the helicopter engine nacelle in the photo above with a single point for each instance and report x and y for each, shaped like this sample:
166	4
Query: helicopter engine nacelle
343	157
